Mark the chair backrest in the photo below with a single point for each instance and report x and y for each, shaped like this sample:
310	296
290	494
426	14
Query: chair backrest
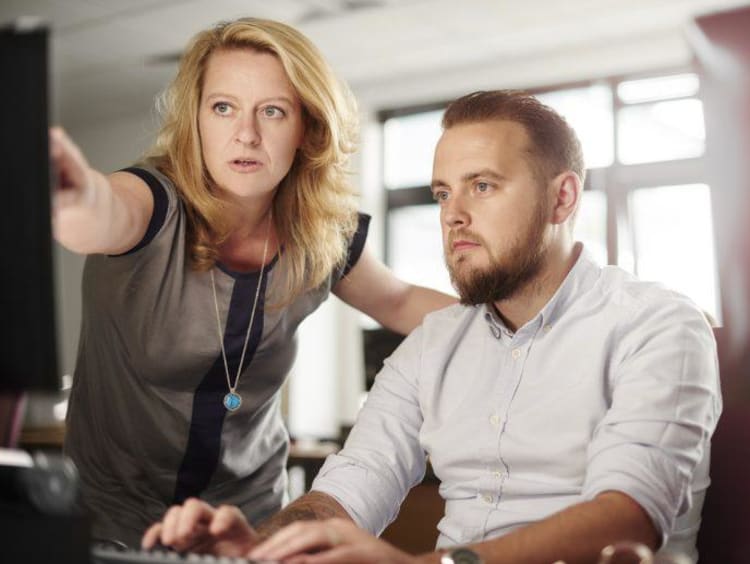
724	537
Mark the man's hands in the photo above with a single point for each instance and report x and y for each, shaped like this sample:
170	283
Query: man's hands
224	531
198	527
328	542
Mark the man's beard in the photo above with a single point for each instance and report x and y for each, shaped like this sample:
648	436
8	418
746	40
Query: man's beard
500	280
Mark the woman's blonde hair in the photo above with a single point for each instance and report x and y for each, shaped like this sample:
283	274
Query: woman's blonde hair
314	207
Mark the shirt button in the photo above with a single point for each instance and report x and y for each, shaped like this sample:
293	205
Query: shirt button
495	420
497	474
515	353
487	498
547	328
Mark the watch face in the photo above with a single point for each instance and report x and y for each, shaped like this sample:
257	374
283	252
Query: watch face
464	556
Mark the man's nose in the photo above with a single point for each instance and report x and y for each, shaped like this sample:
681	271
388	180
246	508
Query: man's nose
455	212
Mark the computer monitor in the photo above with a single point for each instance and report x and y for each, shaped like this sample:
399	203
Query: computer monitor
28	352
379	344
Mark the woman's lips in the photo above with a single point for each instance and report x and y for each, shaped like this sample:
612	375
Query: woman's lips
245	165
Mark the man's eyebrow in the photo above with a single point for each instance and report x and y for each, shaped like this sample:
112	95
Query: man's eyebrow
468	177
486	172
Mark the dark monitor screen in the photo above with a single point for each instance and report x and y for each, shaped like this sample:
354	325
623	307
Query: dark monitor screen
378	344
28	353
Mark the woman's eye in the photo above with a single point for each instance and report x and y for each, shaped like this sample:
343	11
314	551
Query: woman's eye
222	108
273	112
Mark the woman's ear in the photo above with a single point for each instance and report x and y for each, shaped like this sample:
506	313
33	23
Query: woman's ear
567	189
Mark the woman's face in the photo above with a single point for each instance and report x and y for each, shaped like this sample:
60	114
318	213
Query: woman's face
250	122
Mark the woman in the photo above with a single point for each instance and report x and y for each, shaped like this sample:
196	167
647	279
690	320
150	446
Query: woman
203	260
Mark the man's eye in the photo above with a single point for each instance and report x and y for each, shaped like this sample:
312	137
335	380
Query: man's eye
222	108
440	195
482	186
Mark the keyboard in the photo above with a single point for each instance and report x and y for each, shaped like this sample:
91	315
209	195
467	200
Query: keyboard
110	555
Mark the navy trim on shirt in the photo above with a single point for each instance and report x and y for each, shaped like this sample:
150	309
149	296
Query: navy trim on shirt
358	242
204	438
161	205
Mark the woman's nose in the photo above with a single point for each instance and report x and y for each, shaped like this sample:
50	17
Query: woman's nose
248	132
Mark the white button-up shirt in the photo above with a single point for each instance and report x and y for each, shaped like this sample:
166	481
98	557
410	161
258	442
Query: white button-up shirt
612	386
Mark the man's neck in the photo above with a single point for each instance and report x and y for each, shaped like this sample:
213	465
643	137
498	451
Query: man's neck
526	303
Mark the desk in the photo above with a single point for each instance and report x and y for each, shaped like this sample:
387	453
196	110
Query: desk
42	438
310	457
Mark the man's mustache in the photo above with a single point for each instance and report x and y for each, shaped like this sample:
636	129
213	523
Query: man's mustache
464	235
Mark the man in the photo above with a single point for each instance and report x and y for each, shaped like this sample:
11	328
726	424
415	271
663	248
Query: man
563	406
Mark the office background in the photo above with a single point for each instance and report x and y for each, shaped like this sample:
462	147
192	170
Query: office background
621	70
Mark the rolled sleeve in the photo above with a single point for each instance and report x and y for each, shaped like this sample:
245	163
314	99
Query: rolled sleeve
665	404
382	458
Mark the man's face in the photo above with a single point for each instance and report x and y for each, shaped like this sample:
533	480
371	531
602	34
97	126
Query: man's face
493	212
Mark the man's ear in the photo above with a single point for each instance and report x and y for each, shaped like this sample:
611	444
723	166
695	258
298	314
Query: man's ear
567	189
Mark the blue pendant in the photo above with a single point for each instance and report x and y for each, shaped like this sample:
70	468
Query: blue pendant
232	401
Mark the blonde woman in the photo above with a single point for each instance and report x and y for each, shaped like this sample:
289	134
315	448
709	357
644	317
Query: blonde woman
203	260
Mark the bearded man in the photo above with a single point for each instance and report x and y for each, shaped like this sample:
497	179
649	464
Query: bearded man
564	406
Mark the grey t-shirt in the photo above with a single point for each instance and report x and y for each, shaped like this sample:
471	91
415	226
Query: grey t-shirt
146	425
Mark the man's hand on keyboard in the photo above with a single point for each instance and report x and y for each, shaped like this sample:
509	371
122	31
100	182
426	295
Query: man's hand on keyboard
332	541
196	526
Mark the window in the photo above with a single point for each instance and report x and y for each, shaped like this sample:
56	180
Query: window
673	239
646	206
409	143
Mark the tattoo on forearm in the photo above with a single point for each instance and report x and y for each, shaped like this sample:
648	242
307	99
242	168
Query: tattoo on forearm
310	507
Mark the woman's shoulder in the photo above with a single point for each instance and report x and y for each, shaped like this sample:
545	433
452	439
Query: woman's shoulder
160	184
165	197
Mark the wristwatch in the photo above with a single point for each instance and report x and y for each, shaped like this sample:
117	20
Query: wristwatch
460	555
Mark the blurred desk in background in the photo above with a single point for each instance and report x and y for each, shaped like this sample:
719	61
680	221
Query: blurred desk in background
49	438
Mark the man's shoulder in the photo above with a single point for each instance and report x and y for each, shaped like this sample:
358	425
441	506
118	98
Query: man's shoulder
641	300
455	313
442	328
630	290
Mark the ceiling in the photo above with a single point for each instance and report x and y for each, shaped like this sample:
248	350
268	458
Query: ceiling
110	58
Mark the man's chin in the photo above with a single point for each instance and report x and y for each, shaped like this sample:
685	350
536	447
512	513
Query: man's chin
463	286
466	265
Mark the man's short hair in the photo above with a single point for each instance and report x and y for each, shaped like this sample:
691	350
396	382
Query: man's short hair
555	147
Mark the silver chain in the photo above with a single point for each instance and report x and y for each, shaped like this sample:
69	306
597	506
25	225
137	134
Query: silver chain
252	314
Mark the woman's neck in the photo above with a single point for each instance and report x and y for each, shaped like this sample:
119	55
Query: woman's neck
243	250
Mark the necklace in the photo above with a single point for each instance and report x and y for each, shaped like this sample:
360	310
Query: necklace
233	400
